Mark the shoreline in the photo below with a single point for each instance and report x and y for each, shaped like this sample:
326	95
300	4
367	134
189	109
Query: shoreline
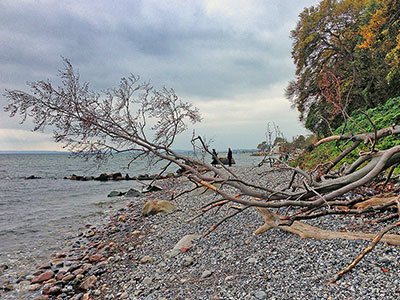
131	257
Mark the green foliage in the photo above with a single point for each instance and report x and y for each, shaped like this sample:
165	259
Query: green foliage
382	116
280	140
309	160
263	146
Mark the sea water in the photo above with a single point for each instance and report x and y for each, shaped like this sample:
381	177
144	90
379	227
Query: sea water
38	216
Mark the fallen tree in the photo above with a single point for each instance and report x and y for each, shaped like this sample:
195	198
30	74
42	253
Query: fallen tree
137	118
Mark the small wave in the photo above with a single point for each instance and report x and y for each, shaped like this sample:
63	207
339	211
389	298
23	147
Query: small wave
20	230
92	214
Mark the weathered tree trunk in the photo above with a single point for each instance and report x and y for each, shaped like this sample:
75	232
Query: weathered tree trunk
304	230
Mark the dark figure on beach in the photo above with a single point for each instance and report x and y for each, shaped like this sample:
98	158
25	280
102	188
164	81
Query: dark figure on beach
230	157
214	157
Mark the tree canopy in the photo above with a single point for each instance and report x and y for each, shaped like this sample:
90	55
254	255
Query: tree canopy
347	58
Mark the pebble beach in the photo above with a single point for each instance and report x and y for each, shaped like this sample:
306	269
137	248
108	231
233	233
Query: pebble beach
131	256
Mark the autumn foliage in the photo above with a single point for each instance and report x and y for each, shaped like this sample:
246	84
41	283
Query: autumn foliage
347	58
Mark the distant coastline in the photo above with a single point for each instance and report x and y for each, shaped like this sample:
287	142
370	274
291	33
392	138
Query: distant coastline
67	152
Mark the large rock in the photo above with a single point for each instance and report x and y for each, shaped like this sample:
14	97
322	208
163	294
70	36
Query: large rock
102	177
152	188
225	161
117	176
143	177
33	177
185	243
115	194
133	193
43	277
153	207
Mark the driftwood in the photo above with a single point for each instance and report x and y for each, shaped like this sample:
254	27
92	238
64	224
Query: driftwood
305	231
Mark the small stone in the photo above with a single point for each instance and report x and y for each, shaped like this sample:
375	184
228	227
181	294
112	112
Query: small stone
260	295
60	275
188	261
54	290
29	277
136	233
60	255
88	283
90	233
121	218
34	287
252	260
151	188
184	280
57	262
124	295
44	266
115	194
97	292
146	259
6	286
86	296
80	276
78	271
147	280
68	277
52	280
95	257
206	273
77	297
43	277
46	288
3	267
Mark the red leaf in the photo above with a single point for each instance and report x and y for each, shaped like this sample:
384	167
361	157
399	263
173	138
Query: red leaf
184	249
384	270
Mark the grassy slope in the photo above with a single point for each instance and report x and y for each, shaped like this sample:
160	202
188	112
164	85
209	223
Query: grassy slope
382	116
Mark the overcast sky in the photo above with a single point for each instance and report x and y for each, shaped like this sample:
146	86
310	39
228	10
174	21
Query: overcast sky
229	58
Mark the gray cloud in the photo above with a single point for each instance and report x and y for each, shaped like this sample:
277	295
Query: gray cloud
203	50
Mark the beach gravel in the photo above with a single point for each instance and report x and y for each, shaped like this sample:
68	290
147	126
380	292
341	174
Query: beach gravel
136	257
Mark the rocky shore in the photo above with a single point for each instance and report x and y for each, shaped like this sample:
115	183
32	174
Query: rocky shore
163	256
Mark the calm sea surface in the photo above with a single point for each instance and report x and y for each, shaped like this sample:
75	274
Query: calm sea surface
37	216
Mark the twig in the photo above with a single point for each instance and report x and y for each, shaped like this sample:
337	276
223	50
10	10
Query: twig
384	219
368	249
390	174
215	226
